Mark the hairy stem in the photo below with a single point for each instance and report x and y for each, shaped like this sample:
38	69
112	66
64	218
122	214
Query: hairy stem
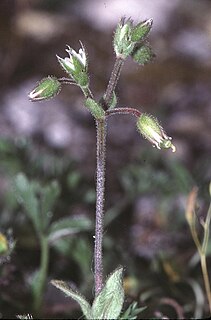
131	111
100	189
112	82
100	181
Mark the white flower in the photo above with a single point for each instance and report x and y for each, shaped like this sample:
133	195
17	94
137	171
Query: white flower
81	55
68	62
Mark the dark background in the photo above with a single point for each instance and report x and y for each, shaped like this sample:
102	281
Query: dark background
146	189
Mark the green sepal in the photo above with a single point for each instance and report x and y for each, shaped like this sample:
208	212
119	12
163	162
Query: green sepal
108	303
143	55
80	73
95	108
82	79
47	88
123	45
141	30
84	304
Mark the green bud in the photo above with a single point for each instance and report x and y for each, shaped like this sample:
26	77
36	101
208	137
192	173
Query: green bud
143	55
47	88
141	30
95	109
123	44
152	131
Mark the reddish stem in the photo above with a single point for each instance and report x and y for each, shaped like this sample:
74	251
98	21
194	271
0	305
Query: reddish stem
132	111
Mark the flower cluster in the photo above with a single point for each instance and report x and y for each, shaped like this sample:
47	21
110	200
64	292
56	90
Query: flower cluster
129	40
127	36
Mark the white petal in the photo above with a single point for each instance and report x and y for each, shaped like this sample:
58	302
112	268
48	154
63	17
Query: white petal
154	135
69	63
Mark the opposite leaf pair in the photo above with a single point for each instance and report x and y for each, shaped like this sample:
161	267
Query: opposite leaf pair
107	304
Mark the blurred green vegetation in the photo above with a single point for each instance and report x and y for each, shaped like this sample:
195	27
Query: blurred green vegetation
44	184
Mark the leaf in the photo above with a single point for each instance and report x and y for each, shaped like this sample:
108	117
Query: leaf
132	311
108	303
82	254
67	226
25	192
49	195
84	304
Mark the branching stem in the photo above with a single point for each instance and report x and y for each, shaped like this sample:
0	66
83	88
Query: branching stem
112	82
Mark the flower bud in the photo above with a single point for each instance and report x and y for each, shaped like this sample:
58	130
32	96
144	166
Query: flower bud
47	88
126	36
123	44
141	30
152	131
143	55
95	108
76	65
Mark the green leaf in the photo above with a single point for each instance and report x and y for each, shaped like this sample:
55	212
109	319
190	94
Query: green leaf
69	225
49	195
26	195
95	108
82	254
37	200
108	303
132	311
84	304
